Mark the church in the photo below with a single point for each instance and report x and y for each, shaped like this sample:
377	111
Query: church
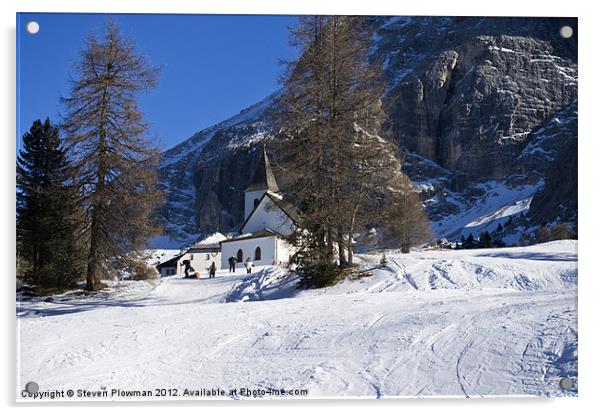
269	223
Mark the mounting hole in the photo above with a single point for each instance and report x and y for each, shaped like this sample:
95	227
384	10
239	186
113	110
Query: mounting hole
32	27
567	383
32	387
566	31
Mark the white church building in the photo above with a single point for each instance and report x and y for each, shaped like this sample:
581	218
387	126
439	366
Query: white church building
269	223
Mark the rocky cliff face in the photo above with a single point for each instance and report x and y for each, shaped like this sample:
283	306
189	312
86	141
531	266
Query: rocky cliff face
466	89
472	102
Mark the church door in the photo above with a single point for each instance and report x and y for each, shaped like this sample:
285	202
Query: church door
239	256
257	254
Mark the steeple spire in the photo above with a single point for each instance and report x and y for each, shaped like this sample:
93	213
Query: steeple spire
264	177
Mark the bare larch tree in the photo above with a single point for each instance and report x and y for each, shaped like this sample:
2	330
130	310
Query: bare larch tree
330	121
115	163
405	220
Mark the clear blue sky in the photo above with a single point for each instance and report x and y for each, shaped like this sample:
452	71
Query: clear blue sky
213	66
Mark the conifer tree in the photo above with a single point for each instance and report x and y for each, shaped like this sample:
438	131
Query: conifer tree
48	220
470	242
485	239
115	163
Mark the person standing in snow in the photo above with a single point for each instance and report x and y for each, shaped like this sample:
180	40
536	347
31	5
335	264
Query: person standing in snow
212	270
232	263
187	267
249	265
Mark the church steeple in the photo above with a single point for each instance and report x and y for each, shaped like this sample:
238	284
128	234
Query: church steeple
263	181
264	177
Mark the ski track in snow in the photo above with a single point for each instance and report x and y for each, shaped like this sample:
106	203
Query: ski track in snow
453	323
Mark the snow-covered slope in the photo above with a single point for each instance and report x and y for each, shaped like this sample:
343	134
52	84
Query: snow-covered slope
495	204
453	323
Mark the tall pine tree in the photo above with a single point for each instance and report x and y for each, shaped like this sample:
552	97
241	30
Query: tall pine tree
48	222
115	163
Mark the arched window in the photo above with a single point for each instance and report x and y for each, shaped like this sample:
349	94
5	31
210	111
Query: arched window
257	254
239	255
255	203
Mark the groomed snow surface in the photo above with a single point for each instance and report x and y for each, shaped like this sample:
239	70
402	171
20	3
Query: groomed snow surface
453	323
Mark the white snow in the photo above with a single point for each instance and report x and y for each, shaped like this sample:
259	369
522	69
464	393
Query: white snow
212	239
505	50
453	323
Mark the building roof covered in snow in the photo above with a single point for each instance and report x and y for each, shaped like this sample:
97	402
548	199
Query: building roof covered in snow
264	177
209	243
169	262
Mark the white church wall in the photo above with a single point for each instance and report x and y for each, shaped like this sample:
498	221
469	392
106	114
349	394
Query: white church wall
250	198
269	216
267	245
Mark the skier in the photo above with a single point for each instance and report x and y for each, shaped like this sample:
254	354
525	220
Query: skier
249	265
232	262
212	270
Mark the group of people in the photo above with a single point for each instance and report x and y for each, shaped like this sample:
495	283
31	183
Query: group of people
189	271
232	261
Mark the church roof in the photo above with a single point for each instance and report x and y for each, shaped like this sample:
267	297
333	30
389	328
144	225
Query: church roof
264	177
288	209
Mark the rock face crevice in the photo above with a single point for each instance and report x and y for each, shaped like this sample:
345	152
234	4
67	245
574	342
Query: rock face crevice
469	100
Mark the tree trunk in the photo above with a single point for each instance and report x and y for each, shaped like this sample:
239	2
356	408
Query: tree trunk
329	245
97	200
350	252
93	261
342	257
341	248
350	234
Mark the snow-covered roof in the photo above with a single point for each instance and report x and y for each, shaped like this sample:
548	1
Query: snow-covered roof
211	241
159	256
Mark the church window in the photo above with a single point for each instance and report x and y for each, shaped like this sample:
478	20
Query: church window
239	255
257	254
255	203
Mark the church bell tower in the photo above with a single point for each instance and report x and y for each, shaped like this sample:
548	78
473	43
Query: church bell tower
263	181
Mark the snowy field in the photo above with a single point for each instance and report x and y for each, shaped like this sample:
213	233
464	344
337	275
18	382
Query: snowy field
452	323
